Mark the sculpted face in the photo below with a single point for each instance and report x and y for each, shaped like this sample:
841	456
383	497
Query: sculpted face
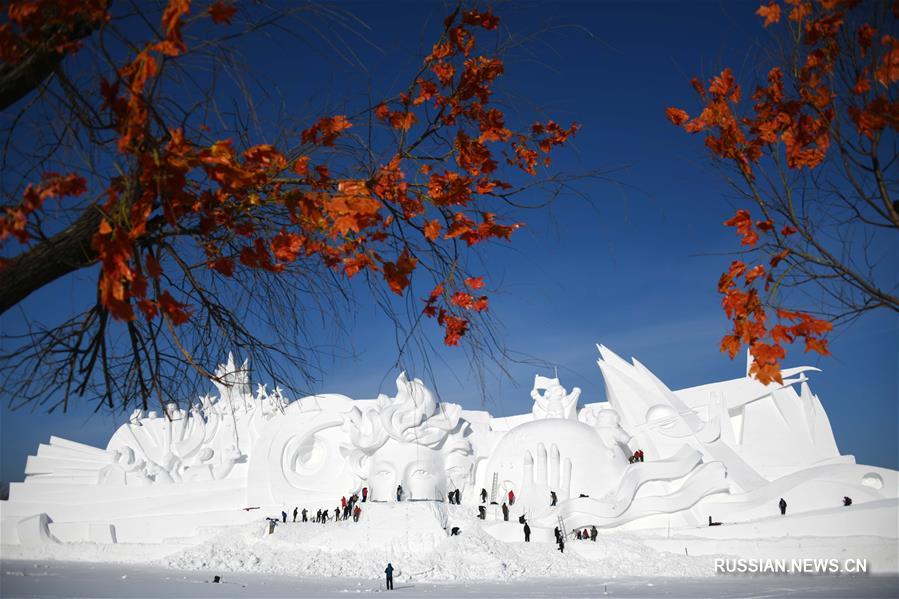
420	469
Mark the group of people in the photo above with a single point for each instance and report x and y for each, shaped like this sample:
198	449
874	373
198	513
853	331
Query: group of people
637	457
348	508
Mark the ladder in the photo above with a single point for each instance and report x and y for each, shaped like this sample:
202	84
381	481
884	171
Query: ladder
562	528
494	487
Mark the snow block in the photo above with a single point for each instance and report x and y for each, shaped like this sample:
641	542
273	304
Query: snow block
34	531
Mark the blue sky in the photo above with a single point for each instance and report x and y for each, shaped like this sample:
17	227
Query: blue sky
633	266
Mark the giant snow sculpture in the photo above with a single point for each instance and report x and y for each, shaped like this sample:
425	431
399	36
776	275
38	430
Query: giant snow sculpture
729	449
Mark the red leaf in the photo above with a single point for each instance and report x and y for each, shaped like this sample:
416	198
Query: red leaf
221	13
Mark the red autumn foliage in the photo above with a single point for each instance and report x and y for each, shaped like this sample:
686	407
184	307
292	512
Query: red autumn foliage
352	225
797	115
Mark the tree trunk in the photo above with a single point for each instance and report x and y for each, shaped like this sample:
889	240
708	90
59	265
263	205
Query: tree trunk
65	252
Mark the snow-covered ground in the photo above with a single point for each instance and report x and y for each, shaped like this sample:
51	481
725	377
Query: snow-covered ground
489	558
79	579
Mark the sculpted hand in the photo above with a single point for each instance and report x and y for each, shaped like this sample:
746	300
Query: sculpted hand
542	476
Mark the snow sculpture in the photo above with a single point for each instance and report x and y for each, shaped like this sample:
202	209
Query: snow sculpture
551	399
729	449
409	440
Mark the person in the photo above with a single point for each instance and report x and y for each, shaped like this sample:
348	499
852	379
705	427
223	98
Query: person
639	455
325	516
577	534
847	501
511	497
364	494
505	512
553	499
343	502
557	533
452	497
271	525
347	511
586	534
356	513
389	572
527	533
399	492
482	512
336	514
304	515
593	533
296	511
783	506
318	516
521	519
561	543
483	495
455	531
458	497
283	516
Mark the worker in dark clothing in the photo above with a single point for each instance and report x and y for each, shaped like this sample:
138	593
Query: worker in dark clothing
304	515
399	492
505	512
283	516
336	514
458	497
452	497
482	512
593	533
847	501
364	494
527	533
553	498
521	519
389	572
783	506
483	495
561	542
455	531
557	533
296	511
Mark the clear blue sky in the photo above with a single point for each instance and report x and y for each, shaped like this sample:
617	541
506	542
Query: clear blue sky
634	268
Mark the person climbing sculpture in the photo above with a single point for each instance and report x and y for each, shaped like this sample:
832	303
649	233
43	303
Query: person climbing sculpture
483	495
553	499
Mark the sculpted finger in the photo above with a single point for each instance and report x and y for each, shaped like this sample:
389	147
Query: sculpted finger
528	478
540	474
566	478
554	467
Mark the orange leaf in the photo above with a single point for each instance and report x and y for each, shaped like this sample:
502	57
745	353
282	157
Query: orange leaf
222	13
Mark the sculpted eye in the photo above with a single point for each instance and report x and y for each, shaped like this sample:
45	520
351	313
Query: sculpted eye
383	473
420	473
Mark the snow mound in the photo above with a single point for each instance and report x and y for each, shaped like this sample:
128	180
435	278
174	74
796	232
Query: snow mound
411	537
